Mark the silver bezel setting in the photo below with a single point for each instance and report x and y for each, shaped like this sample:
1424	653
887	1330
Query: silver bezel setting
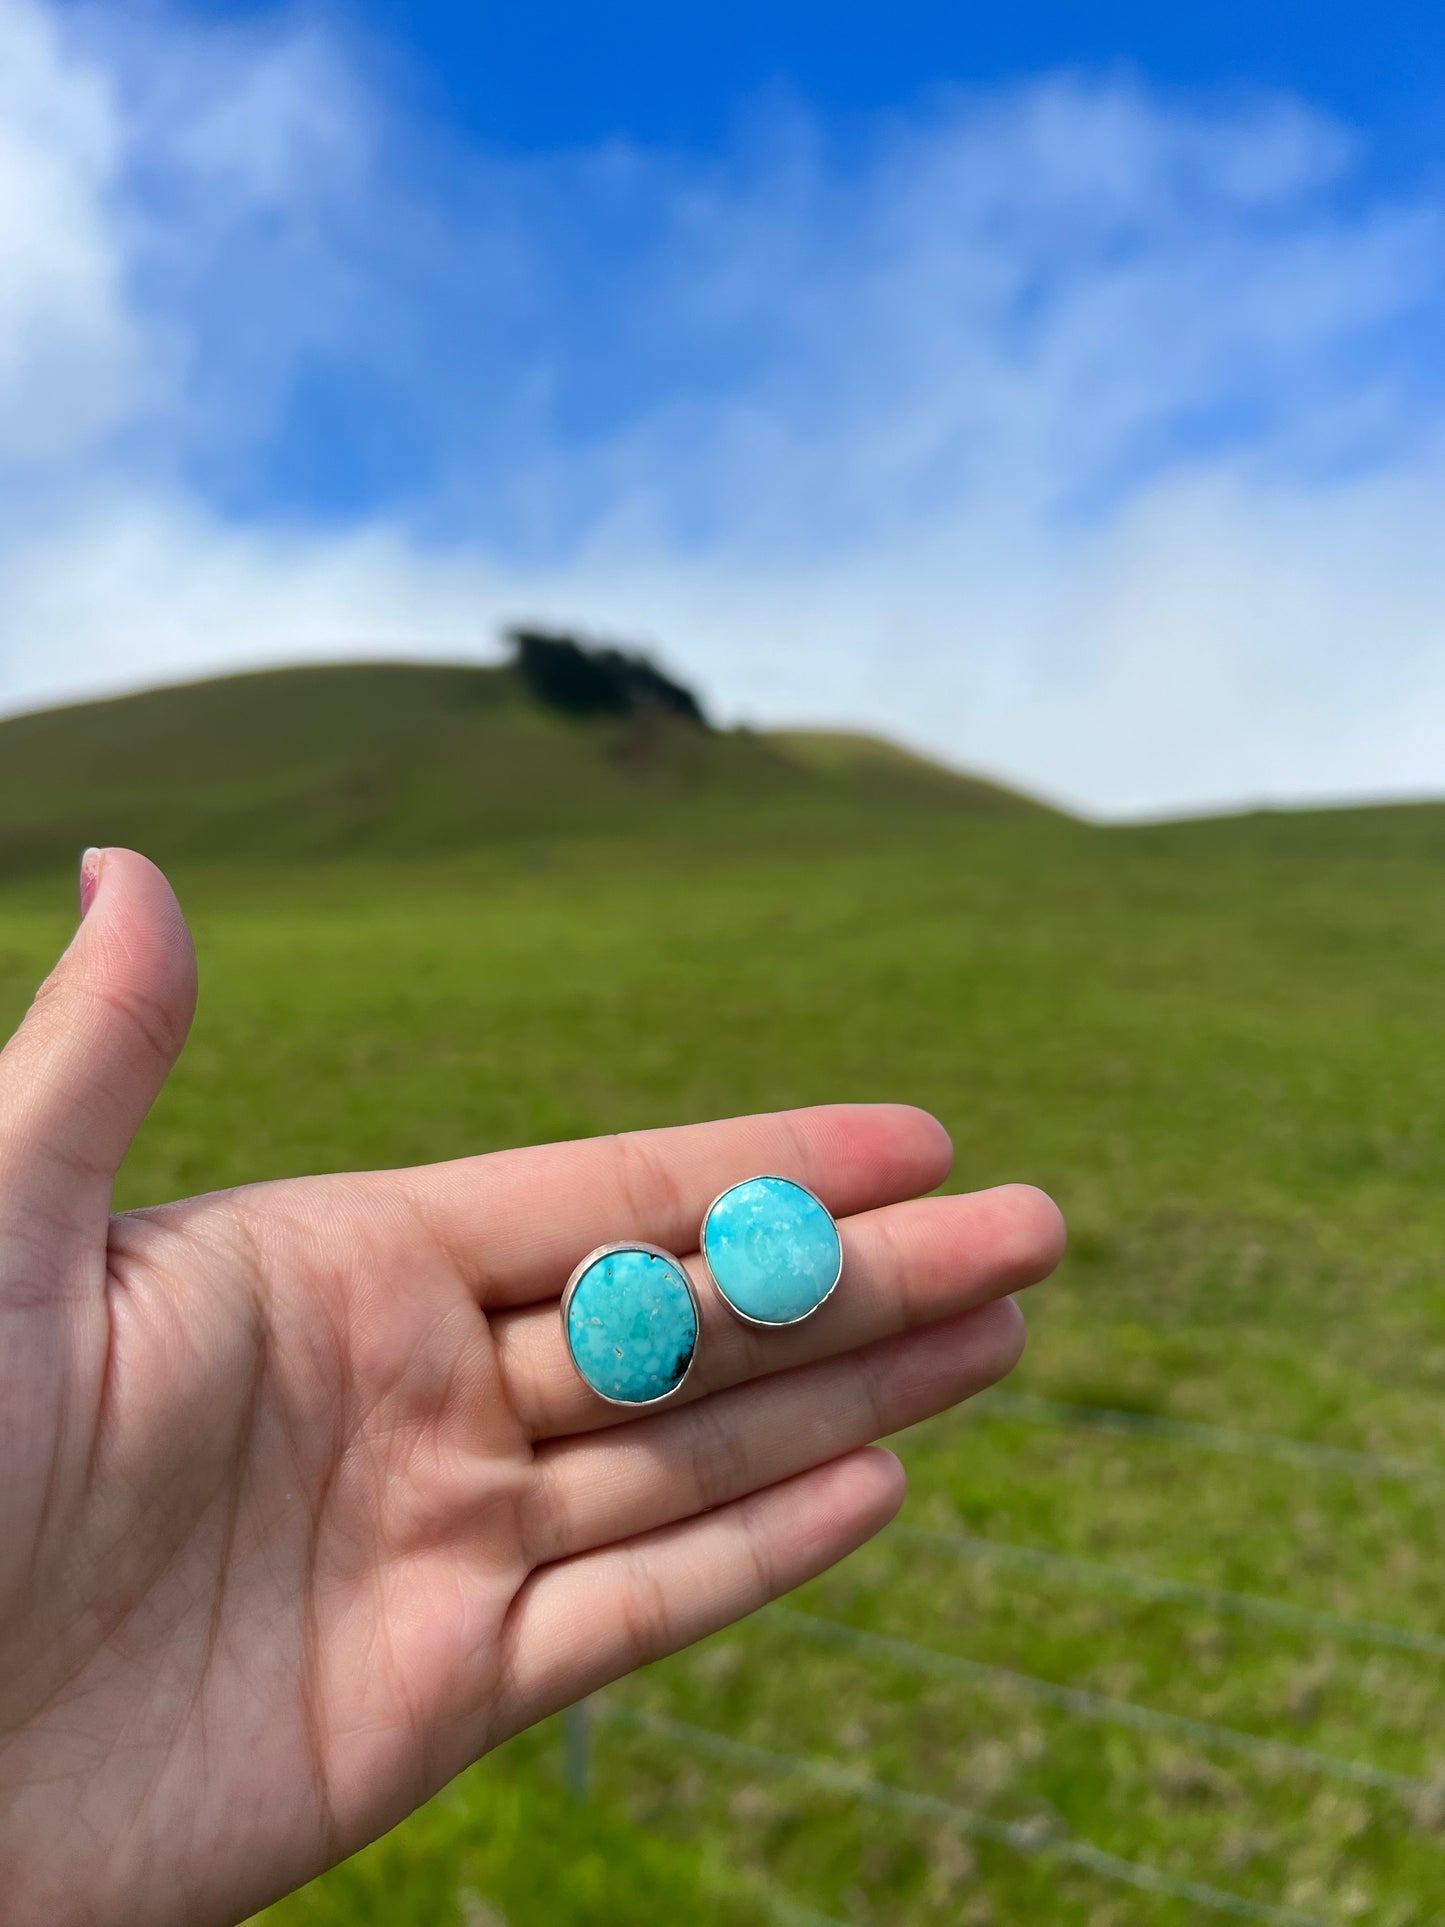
769	1324
570	1290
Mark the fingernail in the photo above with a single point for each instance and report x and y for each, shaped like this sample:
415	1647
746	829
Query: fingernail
89	879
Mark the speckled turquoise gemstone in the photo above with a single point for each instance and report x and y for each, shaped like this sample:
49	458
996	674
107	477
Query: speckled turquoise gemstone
772	1249
632	1325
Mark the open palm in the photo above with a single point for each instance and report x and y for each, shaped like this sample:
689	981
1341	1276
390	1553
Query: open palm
303	1506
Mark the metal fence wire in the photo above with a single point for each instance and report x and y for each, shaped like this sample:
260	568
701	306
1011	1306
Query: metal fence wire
1049	1840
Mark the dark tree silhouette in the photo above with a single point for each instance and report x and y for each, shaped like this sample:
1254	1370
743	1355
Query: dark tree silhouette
584	680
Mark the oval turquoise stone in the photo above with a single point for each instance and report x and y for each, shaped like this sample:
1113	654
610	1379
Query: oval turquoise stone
632	1326
772	1249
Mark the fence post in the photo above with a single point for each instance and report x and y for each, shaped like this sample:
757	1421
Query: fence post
577	1738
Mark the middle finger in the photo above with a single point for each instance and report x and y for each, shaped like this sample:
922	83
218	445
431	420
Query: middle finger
903	1266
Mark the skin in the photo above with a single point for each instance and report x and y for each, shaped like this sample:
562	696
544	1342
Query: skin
304	1507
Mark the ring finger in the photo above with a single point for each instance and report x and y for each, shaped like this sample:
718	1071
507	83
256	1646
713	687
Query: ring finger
903	1266
593	1490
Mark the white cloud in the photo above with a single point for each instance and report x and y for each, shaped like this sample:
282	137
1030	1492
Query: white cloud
68	356
1088	438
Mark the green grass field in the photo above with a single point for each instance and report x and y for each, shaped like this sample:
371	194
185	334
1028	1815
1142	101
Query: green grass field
433	920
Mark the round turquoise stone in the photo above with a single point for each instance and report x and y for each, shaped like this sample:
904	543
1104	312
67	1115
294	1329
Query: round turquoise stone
772	1249
632	1325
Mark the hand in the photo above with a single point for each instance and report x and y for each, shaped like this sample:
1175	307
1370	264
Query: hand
303	1506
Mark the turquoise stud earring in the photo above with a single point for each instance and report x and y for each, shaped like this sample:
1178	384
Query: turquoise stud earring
772	1250
631	1322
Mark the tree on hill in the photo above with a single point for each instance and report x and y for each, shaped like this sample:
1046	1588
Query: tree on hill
585	680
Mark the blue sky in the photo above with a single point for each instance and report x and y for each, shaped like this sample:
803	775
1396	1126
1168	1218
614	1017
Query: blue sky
544	77
1061	391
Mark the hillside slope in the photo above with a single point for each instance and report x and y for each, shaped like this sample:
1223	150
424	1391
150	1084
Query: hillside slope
394	759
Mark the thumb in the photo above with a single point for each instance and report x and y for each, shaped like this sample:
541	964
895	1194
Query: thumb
98	1043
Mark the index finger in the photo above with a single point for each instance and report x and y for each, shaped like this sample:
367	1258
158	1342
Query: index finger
516	1222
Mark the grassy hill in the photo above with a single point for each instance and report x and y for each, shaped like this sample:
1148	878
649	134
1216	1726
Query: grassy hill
1146	1673
393	759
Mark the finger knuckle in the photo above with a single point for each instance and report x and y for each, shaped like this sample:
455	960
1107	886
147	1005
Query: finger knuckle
650	1192
646	1614
720	1458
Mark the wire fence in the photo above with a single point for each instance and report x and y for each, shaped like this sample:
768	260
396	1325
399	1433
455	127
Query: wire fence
1205	1438
1174	1592
1047	1839
1086	1704
1019	1836
789	1913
